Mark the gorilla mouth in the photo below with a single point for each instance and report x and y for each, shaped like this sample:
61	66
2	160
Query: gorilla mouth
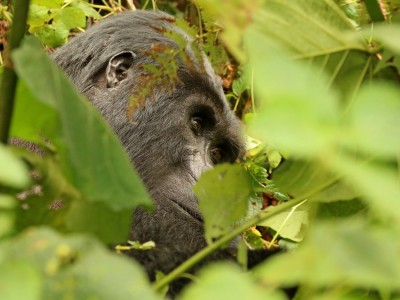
189	211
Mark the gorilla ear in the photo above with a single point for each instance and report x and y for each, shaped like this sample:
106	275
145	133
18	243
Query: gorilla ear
118	66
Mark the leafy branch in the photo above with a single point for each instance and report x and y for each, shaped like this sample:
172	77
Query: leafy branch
159	285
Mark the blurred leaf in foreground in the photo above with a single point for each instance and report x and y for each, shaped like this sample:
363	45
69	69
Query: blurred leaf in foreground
13	172
73	267
350	253
89	145
227	282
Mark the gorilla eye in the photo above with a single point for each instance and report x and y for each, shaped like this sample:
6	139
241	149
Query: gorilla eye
197	124
216	155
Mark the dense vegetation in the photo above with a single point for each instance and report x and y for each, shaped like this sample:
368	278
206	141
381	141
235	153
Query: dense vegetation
316	83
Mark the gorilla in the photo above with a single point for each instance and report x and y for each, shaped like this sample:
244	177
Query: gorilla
177	132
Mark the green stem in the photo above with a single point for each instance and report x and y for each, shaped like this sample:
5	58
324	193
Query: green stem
374	10
223	241
9	80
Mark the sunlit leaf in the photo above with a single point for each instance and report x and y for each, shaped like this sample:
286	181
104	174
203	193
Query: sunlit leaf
338	253
290	224
293	117
303	179
378	183
226	282
13	172
71	17
15	272
223	196
7	215
375	120
78	267
48	3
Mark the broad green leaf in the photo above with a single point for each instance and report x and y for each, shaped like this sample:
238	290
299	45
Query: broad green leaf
241	84
48	3
293	117
60	205
227	282
88	145
38	15
307	27
53	34
290	224
378	183
319	32
345	70
338	253
71	17
375	120
114	227
311	180
32	124
13	172
341	209
385	34
87	9
7	215
19	280
48	199
223	198
78	267
374	10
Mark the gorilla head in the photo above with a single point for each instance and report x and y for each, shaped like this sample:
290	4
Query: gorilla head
181	128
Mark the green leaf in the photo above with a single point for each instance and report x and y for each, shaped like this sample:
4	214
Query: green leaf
223	198
375	120
374	10
227	282
290	224
7	215
378	183
48	3
292	117
303	179
114	227
320	32
32	124
87	9
384	33
13	172
49	197
336	253
53	35
91	154
341	209
78	267
70	17
15	272
241	84
38	15
307	27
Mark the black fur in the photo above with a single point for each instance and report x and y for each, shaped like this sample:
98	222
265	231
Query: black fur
159	137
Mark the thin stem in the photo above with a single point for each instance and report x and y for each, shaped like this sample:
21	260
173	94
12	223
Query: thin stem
284	223
223	241
9	80
253	104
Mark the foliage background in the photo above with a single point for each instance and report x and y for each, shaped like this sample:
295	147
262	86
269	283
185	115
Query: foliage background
316	81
